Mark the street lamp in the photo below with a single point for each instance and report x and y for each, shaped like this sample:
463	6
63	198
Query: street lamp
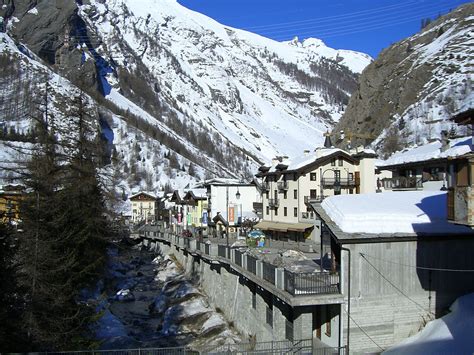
237	195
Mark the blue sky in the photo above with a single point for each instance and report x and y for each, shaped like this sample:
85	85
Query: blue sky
362	25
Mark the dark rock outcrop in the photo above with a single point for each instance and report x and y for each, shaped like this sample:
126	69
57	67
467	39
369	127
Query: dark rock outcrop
410	80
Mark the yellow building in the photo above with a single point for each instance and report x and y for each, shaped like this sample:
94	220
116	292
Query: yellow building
10	198
197	214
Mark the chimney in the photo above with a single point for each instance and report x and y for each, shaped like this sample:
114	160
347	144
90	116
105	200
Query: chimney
306	152
444	140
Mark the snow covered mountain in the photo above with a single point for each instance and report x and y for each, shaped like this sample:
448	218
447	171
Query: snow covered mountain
182	89
409	93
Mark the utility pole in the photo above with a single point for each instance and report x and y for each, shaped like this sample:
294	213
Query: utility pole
227	215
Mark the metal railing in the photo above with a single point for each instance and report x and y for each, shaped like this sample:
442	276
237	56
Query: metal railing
238	257
305	346
282	185
269	272
313	199
341	181
294	283
309	283
252	264
273	202
308	215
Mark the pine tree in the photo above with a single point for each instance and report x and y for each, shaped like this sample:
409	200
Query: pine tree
63	249
11	329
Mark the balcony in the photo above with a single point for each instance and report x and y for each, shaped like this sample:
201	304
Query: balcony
310	216
313	199
273	202
343	182
282	186
294	284
403	183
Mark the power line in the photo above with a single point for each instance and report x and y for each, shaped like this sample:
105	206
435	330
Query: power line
363	331
330	18
394	286
417	267
358	29
416	15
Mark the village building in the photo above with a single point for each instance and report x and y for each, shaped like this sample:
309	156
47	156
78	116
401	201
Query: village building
231	202
10	199
423	167
401	263
144	207
196	211
289	185
461	177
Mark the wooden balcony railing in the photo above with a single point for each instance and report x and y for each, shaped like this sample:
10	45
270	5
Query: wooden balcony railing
402	182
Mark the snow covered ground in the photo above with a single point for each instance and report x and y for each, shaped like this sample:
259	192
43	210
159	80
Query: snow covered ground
392	212
451	334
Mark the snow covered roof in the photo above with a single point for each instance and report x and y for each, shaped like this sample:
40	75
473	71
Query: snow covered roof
430	151
402	213
196	193
222	181
307	159
148	194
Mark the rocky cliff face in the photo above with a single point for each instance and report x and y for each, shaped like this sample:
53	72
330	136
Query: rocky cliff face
408	94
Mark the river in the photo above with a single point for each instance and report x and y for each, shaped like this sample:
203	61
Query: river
146	300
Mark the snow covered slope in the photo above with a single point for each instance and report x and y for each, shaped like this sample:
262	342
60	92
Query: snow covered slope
186	97
261	95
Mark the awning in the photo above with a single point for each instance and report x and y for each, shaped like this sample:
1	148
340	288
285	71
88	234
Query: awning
283	227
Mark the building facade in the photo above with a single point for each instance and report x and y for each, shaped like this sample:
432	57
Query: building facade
288	186
144	207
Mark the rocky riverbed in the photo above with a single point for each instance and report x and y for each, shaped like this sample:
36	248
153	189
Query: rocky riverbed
147	301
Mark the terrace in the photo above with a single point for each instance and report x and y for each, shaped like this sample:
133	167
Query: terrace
293	281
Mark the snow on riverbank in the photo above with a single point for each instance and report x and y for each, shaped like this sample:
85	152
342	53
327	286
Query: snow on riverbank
451	334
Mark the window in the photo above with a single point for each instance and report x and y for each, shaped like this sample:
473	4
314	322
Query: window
268	210
333	162
351	176
285	211
337	175
328	321
312	194
266	195
295	194
254	299
341	161
276	211
269	315
284	194
312	176
295	211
